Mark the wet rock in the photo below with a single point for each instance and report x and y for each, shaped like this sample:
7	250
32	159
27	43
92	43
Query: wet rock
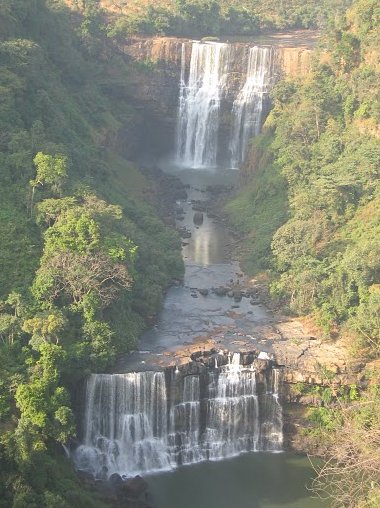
203	292
115	480
184	232
199	206
237	295
254	301
198	218
220	291
135	487
85	477
193	367
248	358
218	189
261	365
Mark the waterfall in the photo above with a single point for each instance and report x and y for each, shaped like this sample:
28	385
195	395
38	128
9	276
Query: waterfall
125	424
233	413
150	421
212	93
199	103
248	106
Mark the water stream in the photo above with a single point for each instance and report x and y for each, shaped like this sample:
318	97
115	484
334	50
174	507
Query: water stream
249	105
199	104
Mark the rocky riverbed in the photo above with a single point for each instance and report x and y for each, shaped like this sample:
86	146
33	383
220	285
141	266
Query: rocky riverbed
216	306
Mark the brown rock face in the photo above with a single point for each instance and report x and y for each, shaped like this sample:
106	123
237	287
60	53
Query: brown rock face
294	62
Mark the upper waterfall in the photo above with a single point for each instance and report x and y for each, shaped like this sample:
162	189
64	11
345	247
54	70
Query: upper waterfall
211	93
199	104
248	107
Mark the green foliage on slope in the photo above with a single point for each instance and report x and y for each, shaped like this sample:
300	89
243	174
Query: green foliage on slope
260	207
83	263
323	141
199	18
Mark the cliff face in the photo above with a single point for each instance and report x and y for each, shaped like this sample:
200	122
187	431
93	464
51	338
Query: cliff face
154	84
165	52
294	62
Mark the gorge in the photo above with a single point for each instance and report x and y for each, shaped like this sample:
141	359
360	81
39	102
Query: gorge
165	407
189	258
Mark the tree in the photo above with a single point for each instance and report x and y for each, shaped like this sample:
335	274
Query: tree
50	170
350	473
42	402
71	277
45	327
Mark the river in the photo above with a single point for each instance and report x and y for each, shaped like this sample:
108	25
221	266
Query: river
252	480
163	408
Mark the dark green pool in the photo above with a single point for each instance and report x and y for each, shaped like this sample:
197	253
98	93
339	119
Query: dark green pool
249	481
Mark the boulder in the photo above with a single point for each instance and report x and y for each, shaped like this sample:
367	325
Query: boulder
220	291
237	295
135	487
115	480
184	232
198	218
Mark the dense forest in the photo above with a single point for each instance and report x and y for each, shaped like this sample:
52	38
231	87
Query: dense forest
197	18
85	259
316	169
310	213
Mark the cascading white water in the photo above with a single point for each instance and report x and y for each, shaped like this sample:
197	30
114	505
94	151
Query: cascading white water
185	446
125	424
199	103
233	412
271	420
209	82
141	422
248	106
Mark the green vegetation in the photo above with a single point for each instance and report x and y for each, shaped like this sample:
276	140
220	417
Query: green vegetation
260	207
320	157
198	18
83	263
344	423
321	240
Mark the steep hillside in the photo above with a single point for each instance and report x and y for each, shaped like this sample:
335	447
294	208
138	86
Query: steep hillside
309	213
321	139
196	18
84	258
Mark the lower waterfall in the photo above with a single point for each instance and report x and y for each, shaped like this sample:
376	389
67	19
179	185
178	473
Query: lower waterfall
150	421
